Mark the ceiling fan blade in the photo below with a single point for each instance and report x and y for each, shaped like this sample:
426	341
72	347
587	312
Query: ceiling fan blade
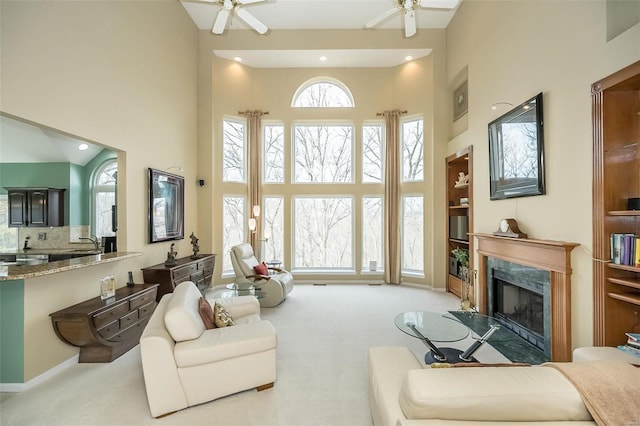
409	23
439	4
220	22
375	21
249	1
251	20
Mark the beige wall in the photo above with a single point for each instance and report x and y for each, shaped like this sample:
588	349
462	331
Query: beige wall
514	50
236	87
122	74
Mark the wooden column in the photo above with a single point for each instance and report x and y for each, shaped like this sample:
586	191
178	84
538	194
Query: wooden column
548	255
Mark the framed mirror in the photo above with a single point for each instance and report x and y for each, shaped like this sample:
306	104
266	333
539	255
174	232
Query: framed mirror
516	152
166	206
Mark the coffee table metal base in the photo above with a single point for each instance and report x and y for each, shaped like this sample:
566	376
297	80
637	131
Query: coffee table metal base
451	356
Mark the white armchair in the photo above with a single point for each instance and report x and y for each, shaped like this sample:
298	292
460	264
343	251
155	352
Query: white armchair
274	286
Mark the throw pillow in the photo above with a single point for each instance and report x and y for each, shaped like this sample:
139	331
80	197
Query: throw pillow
261	269
222	316
206	313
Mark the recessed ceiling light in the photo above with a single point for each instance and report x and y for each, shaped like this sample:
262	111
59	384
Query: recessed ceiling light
237	58
408	58
323	58
83	147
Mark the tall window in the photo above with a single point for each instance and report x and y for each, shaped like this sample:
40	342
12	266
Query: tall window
8	236
273	228
104	199
372	154
412	150
234	138
273	139
372	241
323	92
323	153
323	232
412	234
233	227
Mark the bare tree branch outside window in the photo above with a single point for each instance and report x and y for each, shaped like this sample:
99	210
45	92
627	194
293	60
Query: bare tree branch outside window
323	153
372	153
323	95
233	150
233	227
273	153
412	233
372	241
274	227
412	150
323	232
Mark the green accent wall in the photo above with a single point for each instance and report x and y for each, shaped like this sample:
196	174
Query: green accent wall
12	331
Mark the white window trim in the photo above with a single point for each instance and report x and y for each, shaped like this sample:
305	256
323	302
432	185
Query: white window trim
404	120
242	121
322	79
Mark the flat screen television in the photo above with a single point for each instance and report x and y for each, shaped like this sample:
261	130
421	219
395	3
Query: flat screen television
516	152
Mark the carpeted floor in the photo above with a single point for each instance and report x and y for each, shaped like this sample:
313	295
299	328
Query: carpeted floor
324	333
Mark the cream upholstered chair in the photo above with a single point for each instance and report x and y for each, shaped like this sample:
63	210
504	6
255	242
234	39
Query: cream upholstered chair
274	286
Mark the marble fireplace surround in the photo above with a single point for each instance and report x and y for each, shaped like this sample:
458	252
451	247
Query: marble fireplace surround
547	255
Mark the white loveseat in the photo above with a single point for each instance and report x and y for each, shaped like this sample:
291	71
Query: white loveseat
185	364
403	393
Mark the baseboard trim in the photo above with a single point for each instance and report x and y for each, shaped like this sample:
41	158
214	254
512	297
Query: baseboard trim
21	387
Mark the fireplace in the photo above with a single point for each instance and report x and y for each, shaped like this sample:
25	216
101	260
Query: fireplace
518	301
544	262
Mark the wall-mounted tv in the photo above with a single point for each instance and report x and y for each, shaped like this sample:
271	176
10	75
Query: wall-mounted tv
166	206
516	152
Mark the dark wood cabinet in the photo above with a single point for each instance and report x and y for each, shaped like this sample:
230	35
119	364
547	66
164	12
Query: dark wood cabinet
35	207
106	329
199	270
616	167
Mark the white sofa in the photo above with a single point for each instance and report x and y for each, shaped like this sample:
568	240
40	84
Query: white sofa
403	393
275	287
185	364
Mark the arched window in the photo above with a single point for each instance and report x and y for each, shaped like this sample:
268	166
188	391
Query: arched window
322	92
104	199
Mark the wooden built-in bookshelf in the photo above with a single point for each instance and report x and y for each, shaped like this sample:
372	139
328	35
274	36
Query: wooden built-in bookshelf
616	178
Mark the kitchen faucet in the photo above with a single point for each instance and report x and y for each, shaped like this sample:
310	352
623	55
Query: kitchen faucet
94	240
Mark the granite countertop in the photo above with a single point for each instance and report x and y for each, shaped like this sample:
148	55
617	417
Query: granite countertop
49	251
17	272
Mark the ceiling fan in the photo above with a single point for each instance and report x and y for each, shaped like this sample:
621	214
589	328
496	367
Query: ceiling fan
228	7
408	7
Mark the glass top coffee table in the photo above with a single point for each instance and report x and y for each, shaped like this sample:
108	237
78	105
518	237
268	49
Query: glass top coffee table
432	327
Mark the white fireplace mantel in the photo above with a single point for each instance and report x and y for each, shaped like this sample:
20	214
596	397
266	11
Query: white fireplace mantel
548	255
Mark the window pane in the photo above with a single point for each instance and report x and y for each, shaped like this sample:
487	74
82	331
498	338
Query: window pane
8	236
233	226
273	154
372	153
372	243
103	202
233	141
323	153
322	233
412	150
273	228
323	95
412	232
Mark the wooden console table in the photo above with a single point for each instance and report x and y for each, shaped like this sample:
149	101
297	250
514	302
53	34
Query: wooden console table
106	329
199	270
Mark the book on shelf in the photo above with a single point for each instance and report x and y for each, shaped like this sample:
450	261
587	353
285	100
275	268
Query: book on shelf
624	249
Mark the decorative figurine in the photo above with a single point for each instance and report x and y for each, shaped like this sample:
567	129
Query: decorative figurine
171	256
462	179
196	247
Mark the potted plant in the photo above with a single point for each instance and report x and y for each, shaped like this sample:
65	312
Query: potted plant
462	256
